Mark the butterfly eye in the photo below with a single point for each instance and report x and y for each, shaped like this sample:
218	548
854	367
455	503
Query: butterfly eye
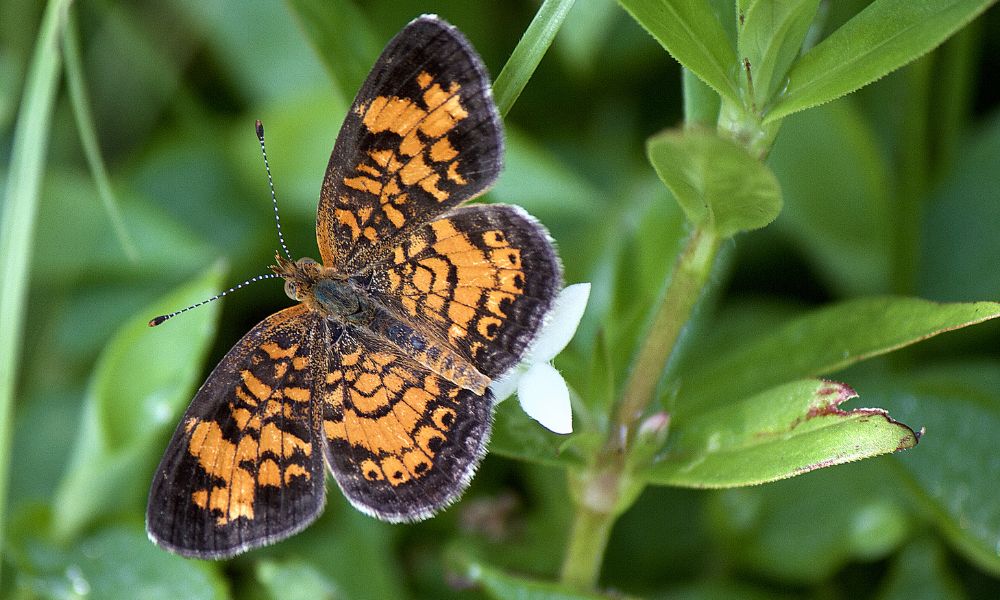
291	290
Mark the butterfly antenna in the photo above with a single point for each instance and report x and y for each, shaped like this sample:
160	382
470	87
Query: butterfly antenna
270	183
160	319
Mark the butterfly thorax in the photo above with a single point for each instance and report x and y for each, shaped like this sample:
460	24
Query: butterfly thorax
325	291
340	299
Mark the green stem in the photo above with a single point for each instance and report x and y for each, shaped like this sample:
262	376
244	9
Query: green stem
17	226
88	137
955	80
585	552
914	178
529	52
686	283
701	103
607	487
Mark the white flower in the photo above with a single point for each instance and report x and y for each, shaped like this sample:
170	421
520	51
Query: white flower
542	391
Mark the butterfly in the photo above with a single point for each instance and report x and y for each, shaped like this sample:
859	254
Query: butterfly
381	371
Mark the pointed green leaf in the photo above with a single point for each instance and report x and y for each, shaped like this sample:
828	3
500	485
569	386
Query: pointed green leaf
528	53
822	342
954	470
770	37
883	37
716	181
786	431
141	383
692	34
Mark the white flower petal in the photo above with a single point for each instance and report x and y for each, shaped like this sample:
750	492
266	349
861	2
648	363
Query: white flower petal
504	387
562	323
545	397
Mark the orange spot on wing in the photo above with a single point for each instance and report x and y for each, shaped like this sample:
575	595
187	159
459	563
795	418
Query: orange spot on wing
255	386
346	217
268	473
296	394
442	150
277	352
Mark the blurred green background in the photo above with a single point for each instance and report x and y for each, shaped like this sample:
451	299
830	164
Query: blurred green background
174	89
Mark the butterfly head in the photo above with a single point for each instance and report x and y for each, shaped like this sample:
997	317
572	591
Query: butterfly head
300	276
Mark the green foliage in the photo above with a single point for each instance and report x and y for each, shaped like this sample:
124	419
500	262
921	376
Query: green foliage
701	361
782	432
111	454
719	186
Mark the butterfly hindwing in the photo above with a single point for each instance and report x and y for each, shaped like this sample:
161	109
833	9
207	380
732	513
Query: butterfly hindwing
244	467
423	135
402	442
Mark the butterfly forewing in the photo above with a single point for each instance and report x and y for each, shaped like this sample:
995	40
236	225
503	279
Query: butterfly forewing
423	135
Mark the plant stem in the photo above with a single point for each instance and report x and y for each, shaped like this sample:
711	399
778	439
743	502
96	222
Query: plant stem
585	551
686	283
914	180
529	52
607	487
17	226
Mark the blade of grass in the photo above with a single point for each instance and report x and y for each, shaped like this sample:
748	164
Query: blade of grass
529	52
88	136
17	228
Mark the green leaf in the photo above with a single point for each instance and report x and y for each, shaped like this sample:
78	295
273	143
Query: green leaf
502	586
529	52
79	245
821	342
786	431
279	61
141	383
692	34
808	529
118	562
716	181
835	176
883	37
88	136
17	221
518	436
960	244
953	471
364	548
310	584
770	37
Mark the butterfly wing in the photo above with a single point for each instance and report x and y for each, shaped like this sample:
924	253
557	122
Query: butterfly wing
401	441
423	135
481	277
244	467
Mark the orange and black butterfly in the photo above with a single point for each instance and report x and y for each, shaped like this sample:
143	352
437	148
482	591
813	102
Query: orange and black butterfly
381	372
